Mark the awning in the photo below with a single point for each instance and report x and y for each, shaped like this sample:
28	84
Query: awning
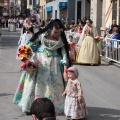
49	9
62	5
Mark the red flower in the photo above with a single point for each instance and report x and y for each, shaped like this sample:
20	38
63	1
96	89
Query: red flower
24	59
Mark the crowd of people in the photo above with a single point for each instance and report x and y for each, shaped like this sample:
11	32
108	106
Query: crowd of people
111	41
56	45
75	33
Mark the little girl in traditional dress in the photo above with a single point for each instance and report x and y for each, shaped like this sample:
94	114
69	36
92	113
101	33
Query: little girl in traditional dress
75	107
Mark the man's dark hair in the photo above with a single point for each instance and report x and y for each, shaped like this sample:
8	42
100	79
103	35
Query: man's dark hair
43	108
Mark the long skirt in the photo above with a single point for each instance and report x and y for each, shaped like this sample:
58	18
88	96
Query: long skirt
89	52
45	82
75	109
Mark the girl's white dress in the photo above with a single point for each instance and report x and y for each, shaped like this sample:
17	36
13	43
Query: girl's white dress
74	108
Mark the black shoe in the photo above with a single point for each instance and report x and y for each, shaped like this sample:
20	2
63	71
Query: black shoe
28	113
68	118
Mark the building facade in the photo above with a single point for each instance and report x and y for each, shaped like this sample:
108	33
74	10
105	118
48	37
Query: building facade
102	12
110	11
77	9
56	9
4	8
43	9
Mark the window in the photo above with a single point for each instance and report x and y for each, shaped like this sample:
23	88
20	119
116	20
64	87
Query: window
30	2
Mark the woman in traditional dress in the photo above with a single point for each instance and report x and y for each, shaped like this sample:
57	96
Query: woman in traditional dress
26	33
52	58
89	52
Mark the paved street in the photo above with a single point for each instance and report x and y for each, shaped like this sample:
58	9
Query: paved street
101	85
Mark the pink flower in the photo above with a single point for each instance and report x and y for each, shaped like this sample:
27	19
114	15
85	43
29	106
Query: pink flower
20	87
40	59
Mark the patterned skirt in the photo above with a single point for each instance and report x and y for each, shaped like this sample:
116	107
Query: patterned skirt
75	109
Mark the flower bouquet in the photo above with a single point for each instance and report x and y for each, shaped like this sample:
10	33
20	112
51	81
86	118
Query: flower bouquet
29	67
97	39
24	53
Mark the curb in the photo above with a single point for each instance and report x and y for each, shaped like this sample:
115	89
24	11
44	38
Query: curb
108	62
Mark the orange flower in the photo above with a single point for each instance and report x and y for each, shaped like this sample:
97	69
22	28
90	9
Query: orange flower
24	53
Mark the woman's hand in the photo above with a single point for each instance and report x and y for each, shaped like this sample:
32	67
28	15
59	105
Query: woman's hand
77	44
65	76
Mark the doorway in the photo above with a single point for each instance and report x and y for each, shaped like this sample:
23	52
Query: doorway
78	10
55	14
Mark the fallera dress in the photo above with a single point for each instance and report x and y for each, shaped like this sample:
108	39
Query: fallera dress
88	52
72	51
47	80
74	108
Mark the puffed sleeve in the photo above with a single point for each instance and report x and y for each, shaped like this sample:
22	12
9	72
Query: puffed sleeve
82	36
35	44
64	60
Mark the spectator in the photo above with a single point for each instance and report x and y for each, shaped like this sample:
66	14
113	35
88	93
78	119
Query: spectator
113	48
115	36
43	109
72	29
27	32
72	22
106	33
79	22
84	21
113	25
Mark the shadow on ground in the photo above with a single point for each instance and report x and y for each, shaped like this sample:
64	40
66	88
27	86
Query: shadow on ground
103	114
5	94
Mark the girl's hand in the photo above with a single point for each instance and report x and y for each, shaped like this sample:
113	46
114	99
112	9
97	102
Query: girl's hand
79	98
63	94
65	76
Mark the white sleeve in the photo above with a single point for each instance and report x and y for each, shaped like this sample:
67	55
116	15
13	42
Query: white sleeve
82	36
95	32
19	42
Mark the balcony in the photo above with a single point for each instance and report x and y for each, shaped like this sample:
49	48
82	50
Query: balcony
47	1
